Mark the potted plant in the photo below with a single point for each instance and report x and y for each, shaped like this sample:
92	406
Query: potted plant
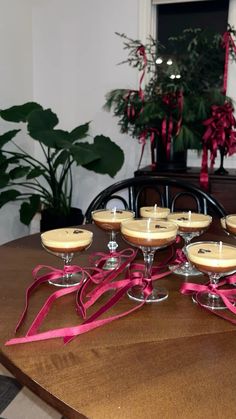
187	78
47	184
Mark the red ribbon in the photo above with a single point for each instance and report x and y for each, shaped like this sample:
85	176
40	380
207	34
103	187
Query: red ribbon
85	298
219	133
228	295
169	128
228	43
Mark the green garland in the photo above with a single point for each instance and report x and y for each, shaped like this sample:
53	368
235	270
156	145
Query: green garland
198	56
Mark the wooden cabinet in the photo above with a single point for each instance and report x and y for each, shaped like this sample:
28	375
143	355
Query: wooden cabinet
221	187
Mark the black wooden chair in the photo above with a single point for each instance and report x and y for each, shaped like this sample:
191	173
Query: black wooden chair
140	191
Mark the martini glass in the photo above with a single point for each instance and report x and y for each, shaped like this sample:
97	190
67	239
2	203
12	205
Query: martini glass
216	259
228	223
149	236
63	243
110	220
190	225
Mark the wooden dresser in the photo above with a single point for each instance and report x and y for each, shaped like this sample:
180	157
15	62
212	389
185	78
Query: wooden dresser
221	187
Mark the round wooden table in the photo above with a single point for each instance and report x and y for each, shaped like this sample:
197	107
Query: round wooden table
166	360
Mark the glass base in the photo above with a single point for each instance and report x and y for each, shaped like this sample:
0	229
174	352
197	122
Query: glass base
186	269
68	281
158	294
208	300
110	264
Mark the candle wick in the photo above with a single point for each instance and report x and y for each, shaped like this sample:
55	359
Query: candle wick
220	247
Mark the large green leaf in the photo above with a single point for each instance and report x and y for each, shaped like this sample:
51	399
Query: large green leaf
57	139
79	132
35	172
84	153
7	196
111	157
5	138
19	172
41	120
29	209
4	179
61	158
19	113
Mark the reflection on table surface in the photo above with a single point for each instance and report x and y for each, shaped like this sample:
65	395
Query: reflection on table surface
165	360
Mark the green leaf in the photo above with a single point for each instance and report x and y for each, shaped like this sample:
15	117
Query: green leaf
79	132
4	179
61	158
111	157
41	120
19	172
57	139
37	171
84	153
7	196
5	138
29	209
19	113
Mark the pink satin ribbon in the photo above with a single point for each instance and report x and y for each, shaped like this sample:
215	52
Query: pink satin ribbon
85	298
228	295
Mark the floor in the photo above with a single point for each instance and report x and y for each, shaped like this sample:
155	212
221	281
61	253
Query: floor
17	402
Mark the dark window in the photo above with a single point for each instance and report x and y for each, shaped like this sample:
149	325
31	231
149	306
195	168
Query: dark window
173	18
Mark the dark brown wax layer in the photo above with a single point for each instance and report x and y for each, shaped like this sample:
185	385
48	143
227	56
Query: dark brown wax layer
142	241
115	226
66	249
231	229
192	229
217	269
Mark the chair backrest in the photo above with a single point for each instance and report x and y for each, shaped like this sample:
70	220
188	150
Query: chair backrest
140	191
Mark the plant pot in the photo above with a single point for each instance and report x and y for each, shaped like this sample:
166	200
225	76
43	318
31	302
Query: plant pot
51	220
176	162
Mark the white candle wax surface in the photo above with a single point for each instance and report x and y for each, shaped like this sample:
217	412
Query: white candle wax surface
194	220
154	212
67	238
212	255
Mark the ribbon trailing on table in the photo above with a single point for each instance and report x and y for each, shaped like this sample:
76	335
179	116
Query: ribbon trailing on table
100	281
228	295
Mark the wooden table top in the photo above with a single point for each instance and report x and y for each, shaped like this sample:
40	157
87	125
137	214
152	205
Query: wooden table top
166	360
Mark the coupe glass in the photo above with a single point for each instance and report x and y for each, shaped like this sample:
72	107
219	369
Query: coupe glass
216	259
64	242
155	212
190	225
149	236
110	220
228	223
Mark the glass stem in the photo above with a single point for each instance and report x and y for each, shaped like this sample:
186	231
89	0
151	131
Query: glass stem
67	261
148	256
112	245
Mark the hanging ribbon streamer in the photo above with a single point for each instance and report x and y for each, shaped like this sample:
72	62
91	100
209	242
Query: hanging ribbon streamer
169	127
228	43
219	133
220	126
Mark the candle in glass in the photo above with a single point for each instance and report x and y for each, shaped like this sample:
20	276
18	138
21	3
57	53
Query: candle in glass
217	259
190	225
148	235
230	223
64	242
154	212
110	220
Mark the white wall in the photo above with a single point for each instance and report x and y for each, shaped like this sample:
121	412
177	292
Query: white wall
64	54
15	84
